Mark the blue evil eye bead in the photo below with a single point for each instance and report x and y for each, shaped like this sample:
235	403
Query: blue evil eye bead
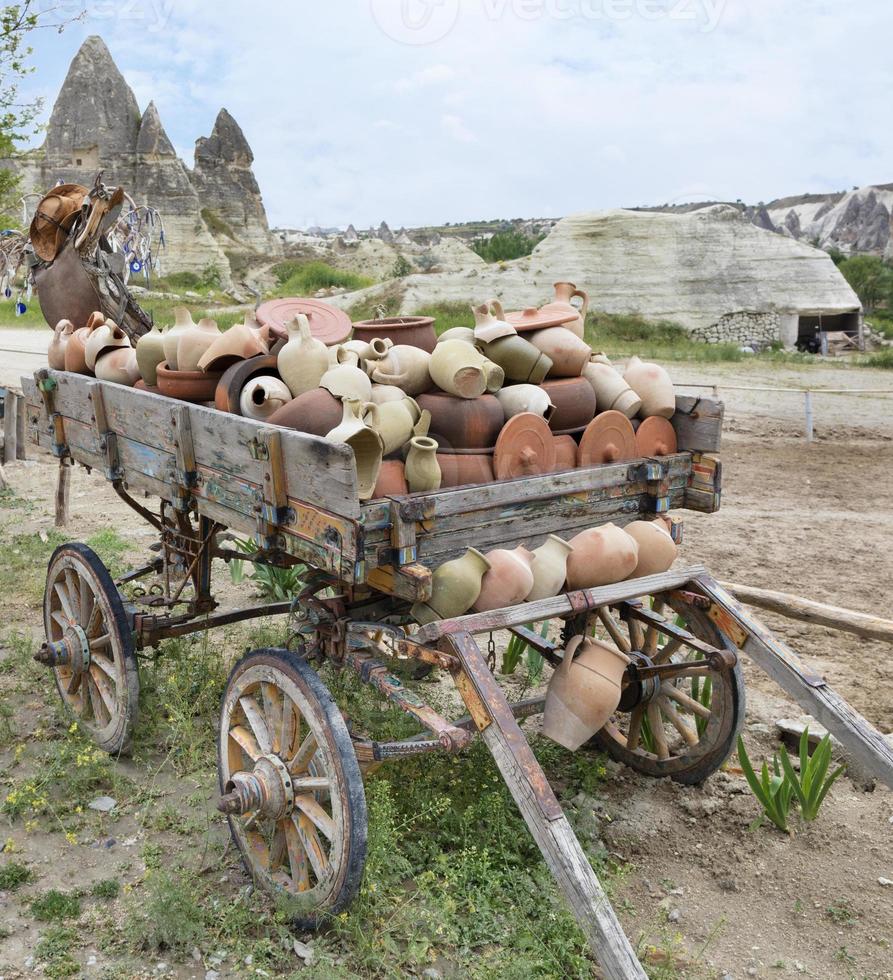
136	266
21	309
7	293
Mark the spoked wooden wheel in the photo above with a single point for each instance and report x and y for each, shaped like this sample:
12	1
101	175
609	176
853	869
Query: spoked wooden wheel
292	787
90	646
682	725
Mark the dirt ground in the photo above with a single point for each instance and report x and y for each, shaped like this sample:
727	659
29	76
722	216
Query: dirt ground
813	519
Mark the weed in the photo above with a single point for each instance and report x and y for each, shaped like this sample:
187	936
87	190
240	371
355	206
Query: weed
111	548
840	913
14	875
56	906
880	359
305	278
167	915
843	955
23	571
402	268
811	786
275	584
505	246
107	889
772	790
152	854
54	948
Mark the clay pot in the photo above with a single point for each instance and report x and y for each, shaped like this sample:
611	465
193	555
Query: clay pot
56	351
365	443
656	437
316	412
565	453
76	352
601	556
519	359
142	386
182	322
564	293
194	342
347	381
574	402
490	327
549	565
464	423
188	386
657	549
583	692
391	480
568	353
465	470
239	343
404	367
395	422
465	334
118	366
411	331
508	581
609	438
305	360
381	394
525	447
460	369
422	469
263	396
455	587
149	354
654	386
611	391
525	398
237	375
104	338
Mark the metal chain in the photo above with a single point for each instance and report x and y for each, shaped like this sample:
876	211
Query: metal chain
491	653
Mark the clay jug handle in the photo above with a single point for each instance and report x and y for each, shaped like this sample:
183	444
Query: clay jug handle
423	425
494	304
584	309
570	651
369	414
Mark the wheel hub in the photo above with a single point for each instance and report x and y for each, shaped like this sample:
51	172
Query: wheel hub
638	691
266	791
72	651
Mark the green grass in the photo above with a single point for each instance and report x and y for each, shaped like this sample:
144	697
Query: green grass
661	340
880	359
13	875
107	889
23	570
56	906
298	278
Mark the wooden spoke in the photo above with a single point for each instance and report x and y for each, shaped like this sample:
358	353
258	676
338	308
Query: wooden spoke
88	600
311	844
649	647
256	721
106	666
288	730
60	619
301	761
314	784
105	690
74	682
613	629
73	589
636	634
246	741
100	643
95	622
297	858
272	699
656	724
308	805
64	602
687	702
94	700
278	846
689	735
635	729
663	655
658	604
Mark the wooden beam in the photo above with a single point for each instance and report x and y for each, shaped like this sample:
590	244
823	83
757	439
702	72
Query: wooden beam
809	611
63	485
10	426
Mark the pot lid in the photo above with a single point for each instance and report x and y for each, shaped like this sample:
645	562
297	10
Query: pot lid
609	438
525	447
327	323
534	319
656	437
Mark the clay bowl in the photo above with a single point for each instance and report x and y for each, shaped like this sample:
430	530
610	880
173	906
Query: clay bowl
656	437
416	331
464	424
237	375
316	412
609	438
525	447
188	386
462	470
391	480
574	401
565	453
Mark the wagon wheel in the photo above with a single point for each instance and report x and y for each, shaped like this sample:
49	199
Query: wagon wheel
683	727
292	788
90	646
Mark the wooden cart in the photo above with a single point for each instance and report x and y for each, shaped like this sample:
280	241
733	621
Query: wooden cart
291	772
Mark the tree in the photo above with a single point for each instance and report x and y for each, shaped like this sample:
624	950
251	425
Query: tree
871	279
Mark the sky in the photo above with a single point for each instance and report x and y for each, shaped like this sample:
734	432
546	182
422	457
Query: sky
426	111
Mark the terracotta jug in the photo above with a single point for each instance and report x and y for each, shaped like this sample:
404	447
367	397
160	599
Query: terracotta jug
569	354
76	351
303	360
241	341
549	565
194	342
56	351
509	580
365	443
381	394
564	293
489	323
422	469
583	692
405	367
315	412
518	358
657	549
149	354
347	381
461	370
455	586
601	556
391	480
517	399
107	337
395	422
118	366
182	322
612	393
465	334
654	386
263	396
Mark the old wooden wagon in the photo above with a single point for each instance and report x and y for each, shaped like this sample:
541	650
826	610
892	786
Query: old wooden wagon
291	772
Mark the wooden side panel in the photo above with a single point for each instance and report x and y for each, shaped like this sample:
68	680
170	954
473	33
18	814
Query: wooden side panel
698	424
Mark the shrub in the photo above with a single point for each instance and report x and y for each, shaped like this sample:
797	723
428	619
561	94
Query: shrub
505	246
871	278
402	268
305	278
55	906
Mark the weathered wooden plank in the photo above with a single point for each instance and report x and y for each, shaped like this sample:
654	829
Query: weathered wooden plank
698	424
10	426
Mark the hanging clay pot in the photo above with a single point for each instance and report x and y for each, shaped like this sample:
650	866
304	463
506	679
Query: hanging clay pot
182	322
657	549
508	581
460	369
565	453
56	351
105	338
303	360
549	565
381	394
365	443
464	423
118	366
263	396
489	327
465	470
525	398
422	469
601	556
455	586
391	480
239	343
404	367
395	422
149	354
518	358
188	386
611	391
346	381
237	375
316	412
195	341
465	334
609	438
584	692
568	353
564	293
410	331
656	437
654	386
574	402
76	351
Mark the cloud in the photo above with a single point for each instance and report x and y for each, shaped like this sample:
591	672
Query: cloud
455	126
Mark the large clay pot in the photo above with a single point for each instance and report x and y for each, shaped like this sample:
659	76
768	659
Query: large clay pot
365	443
76	351
574	402
564	293
601	556
508	581
304	360
118	366
525	398
519	359
194	342
316	412
381	394
188	386
657	549
489	327
568	353
455	586
346	381
654	386
237	375
263	396
239	343
404	367
583	692
104	338
182	322
465	470
395	422
549	566
56	351
412	331
611	391
461	370
565	453
464	423
149	354
391	480
422	469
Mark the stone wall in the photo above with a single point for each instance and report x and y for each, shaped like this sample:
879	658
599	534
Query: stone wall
743	327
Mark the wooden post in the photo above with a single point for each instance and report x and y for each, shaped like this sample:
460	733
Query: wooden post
10	426
63	484
21	440
542	812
